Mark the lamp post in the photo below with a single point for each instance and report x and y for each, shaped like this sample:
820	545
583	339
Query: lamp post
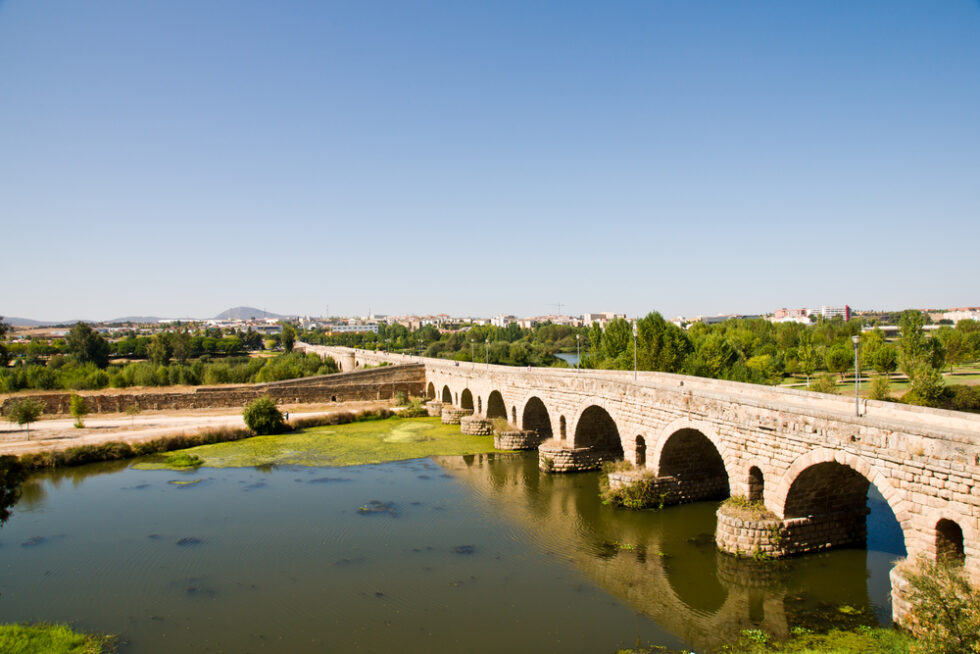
488	355
857	379
578	353
634	351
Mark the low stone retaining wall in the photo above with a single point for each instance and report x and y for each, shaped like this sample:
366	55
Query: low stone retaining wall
519	439
374	384
554	458
434	408
452	415
775	538
475	426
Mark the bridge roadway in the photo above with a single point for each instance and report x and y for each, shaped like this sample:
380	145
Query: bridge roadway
806	455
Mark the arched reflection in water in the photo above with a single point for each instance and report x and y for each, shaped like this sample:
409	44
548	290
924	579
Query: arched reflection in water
665	563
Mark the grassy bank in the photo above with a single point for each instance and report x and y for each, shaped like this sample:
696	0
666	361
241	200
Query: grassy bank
115	451
863	640
52	639
359	443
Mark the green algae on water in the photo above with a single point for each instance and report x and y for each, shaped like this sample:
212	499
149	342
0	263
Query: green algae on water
358	443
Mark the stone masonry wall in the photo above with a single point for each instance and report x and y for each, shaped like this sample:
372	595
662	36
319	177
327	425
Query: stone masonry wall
376	384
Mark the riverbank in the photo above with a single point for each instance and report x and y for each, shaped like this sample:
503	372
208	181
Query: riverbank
45	638
58	434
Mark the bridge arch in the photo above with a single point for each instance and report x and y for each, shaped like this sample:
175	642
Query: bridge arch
656	453
495	406
595	429
640	452
535	417
694	461
466	399
946	535
447	395
825	482
430	391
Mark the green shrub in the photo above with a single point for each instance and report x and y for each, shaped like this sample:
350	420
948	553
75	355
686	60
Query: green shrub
52	639
945	615
880	388
78	409
824	384
263	417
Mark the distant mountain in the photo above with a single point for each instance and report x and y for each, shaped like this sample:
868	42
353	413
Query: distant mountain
244	313
27	322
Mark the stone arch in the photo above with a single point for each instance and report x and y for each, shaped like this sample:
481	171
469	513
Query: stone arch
595	429
562	427
843	479
756	485
513	415
694	464
640	452
466	400
430	391
457	399
479	405
447	395
706	429
495	406
535	417
949	542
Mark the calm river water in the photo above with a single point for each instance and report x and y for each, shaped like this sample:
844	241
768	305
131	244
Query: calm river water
476	554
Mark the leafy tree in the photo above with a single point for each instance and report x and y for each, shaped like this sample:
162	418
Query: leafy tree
945	615
288	337
808	360
839	359
88	346
159	350
912	341
180	344
927	386
262	416
885	359
955	343
880	388
78	409
25	411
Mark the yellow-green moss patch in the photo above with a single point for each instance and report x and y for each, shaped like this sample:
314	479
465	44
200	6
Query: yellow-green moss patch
358	443
51	639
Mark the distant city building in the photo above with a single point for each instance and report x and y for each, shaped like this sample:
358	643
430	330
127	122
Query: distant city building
502	320
832	312
602	319
962	313
801	316
351	327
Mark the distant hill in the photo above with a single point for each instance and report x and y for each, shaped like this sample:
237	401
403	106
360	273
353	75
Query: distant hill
27	322
244	313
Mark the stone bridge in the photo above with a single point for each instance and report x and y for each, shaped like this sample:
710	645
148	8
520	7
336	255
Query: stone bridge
807	456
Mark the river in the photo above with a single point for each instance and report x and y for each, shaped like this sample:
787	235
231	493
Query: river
479	553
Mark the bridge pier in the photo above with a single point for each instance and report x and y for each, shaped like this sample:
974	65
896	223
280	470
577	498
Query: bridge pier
434	408
552	457
747	532
453	415
475	426
518	439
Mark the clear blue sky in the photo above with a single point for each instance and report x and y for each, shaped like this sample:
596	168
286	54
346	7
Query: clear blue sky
177	158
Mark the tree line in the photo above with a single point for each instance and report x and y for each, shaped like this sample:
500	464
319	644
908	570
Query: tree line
83	361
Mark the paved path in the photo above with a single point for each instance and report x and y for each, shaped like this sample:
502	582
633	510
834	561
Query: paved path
60	433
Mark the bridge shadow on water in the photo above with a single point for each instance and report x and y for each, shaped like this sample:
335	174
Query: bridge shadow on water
664	564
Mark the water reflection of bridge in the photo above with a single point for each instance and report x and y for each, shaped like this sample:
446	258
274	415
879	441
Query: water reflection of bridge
665	564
